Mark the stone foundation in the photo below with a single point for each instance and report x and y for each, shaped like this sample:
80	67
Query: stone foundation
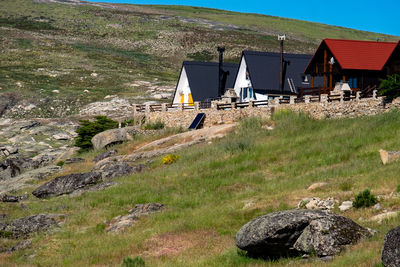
317	110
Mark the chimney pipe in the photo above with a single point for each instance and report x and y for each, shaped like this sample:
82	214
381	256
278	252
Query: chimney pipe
221	72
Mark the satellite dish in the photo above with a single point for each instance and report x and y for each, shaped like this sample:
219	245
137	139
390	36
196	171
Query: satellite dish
332	61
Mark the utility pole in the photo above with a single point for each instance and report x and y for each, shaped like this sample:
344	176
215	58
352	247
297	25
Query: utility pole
281	38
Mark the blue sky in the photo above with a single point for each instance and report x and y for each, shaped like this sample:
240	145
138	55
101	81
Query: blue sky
380	16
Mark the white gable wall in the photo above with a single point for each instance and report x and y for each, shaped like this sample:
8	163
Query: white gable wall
241	81
182	88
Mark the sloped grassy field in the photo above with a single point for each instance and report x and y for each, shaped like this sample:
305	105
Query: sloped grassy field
106	49
213	189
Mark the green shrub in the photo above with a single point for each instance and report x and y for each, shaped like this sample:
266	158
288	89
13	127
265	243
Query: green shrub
127	123
364	199
60	163
88	129
135	262
346	186
398	188
390	87
158	125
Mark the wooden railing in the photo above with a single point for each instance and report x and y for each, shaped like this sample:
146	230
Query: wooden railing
283	100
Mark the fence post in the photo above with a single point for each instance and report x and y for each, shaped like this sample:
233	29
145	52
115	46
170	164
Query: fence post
358	94
180	106
196	105
214	105
147	108
164	107
324	98
307	99
251	104
375	94
341	96
292	99
233	105
134	106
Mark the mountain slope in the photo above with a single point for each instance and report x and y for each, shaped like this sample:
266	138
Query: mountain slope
68	49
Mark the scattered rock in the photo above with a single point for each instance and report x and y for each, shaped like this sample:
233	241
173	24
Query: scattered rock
295	232
315	203
391	248
62	136
315	186
67	184
377	206
113	136
105	155
74	160
9	198
389	156
26	178
120	223
8	150
384	216
22	227
14	166
24	244
56	91
346	205
111	169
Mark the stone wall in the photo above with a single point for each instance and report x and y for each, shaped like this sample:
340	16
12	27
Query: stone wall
317	110
184	118
352	108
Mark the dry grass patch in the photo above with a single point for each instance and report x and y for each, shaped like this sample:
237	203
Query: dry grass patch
174	244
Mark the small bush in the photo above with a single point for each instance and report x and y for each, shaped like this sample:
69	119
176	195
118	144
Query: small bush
127	123
135	262
398	188
364	199
169	159
390	87
60	163
346	186
88	129
100	227
158	125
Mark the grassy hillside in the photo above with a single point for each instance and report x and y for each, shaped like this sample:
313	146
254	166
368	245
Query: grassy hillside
251	172
108	49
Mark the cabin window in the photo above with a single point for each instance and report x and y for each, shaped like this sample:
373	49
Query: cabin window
353	83
247	93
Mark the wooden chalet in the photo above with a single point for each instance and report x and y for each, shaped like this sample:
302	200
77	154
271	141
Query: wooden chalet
362	64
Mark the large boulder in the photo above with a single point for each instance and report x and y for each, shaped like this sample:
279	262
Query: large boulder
113	136
391	248
295	232
67	184
22	227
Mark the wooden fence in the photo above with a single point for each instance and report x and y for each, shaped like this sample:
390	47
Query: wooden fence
342	97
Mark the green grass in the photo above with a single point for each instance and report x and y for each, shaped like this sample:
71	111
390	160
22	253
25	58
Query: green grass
207	189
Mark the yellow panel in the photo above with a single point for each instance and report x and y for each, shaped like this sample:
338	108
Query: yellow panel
191	103
183	98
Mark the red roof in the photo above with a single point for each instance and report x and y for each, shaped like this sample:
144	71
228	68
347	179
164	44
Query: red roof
360	55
